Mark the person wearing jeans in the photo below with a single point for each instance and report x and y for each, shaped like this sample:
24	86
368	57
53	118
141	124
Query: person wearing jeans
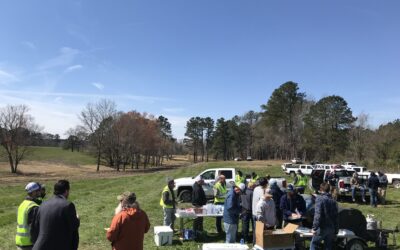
355	184
246	215
325	224
232	211
373	185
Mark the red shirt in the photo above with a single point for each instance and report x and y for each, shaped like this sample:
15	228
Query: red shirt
127	229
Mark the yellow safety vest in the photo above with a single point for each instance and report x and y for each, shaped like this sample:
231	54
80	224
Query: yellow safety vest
166	189
253	180
222	191
239	180
302	181
23	237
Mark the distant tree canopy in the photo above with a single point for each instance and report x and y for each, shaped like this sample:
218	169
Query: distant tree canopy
290	125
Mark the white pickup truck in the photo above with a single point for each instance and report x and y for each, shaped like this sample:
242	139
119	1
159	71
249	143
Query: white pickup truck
184	186
292	169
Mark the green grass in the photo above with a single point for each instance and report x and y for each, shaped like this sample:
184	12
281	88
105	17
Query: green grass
59	155
95	200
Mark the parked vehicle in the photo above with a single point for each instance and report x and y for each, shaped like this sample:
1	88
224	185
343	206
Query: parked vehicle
248	158
328	166
359	169
349	164
285	165
305	169
343	184
237	159
394	179
184	186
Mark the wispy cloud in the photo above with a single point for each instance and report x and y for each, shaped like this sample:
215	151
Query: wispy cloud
98	85
66	56
29	45
73	68
147	99
6	77
173	110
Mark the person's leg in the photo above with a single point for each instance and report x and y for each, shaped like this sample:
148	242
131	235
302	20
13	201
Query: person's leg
328	237
315	242
245	226
362	190
254	229
353	193
383	195
167	218
218	222
173	217
230	231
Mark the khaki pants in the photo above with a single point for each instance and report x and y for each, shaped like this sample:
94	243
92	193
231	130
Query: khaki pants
382	195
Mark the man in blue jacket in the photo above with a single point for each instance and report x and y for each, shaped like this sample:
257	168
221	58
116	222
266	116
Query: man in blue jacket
325	224
293	206
232	211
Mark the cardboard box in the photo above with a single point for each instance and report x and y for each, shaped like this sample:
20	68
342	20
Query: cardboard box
163	235
275	238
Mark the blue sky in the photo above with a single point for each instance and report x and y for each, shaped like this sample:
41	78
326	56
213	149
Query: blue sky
196	58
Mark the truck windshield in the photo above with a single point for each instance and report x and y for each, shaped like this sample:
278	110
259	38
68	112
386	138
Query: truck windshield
209	175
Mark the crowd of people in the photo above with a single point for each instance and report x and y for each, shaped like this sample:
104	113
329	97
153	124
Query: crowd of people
54	223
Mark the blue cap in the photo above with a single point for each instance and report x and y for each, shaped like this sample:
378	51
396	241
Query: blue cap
290	188
31	187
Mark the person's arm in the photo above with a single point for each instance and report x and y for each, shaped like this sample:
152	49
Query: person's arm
166	199
317	215
302	206
260	212
34	230
283	206
113	231
73	224
147	223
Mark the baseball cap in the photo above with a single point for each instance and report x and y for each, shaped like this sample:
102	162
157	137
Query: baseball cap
242	186
290	188
31	187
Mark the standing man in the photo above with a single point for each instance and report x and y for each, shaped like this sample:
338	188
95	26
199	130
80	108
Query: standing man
247	211
302	182
293	206
27	211
266	211
232	212
276	196
258	193
325	225
57	223
220	192
168	203
373	185
129	226
198	200
383	183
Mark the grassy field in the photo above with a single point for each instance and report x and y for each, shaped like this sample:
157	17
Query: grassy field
95	200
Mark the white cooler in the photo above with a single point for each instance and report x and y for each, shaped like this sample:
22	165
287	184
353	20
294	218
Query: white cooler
224	246
163	235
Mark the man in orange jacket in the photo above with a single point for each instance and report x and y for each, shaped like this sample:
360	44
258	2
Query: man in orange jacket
129	226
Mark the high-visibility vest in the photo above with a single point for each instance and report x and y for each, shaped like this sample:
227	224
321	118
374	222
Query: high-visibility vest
23	237
253	180
239	179
166	189
222	191
302	181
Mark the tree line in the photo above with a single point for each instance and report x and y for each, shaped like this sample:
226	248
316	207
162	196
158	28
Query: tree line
290	125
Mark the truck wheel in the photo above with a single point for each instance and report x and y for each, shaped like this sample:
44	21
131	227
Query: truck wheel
185	196
396	183
355	245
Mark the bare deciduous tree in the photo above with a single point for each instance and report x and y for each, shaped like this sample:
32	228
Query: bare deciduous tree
92	118
15	128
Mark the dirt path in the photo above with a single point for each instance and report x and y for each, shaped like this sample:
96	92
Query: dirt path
42	171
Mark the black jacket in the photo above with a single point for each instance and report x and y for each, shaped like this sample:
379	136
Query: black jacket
198	195
56	225
373	182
